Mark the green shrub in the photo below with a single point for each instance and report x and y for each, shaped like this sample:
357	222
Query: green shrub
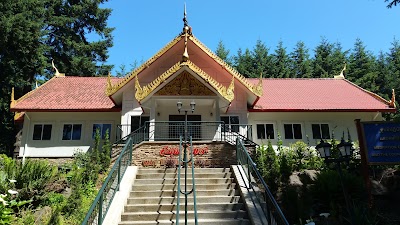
105	156
268	165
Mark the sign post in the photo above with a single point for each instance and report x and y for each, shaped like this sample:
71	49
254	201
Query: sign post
379	145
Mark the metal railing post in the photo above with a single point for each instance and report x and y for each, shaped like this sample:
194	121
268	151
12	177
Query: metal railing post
100	216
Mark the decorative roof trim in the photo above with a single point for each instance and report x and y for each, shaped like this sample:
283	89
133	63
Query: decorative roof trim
12	98
257	90
114	88
143	92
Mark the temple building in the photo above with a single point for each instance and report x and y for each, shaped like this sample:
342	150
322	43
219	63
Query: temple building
62	115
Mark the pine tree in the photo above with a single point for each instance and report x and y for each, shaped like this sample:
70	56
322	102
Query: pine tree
223	53
281	62
244	62
361	68
321	62
393	59
300	63
261	61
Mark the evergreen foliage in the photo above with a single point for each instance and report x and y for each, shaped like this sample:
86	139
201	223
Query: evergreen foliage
223	53
300	63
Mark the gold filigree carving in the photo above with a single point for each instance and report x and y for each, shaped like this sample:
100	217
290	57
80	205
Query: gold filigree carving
341	75
143	92
258	88
109	87
185	84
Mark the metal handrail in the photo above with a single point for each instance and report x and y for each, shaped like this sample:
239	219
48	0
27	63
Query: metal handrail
264	196
103	200
186	193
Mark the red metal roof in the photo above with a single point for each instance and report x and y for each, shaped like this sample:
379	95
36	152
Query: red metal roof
88	94
316	95
67	94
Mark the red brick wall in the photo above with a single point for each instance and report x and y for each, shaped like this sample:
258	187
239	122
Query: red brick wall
163	154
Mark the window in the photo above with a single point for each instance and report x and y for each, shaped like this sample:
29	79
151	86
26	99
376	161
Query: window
229	123
265	131
138	121
72	132
293	131
42	132
103	128
320	131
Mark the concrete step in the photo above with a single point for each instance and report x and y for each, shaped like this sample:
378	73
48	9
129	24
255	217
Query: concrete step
173	207
198	174
167	215
173	200
191	222
175	170
158	193
173	187
189	180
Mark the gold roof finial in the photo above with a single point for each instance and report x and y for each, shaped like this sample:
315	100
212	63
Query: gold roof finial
109	85
186	29
57	74
392	103
258	88
12	97
341	75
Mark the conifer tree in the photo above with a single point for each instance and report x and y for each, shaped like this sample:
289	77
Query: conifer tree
223	53
244	62
322	58
261	61
300	63
361	68
281	62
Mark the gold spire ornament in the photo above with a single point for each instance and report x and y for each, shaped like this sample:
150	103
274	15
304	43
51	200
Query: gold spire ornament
12	98
57	73
185	56
341	75
392	103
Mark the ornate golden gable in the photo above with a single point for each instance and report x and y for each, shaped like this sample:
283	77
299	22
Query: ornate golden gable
143	92
185	84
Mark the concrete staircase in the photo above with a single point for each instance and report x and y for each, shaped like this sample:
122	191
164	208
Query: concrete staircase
153	198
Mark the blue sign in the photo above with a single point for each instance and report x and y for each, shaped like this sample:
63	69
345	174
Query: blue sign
382	141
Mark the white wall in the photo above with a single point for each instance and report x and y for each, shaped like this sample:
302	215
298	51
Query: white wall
338	122
56	147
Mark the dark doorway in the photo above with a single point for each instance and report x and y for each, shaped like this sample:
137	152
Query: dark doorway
177	126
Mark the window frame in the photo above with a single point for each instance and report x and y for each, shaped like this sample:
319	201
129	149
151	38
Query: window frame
265	130
292	123
72	129
320	130
42	129
230	125
102	123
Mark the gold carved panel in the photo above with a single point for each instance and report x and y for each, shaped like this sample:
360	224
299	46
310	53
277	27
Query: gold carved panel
185	84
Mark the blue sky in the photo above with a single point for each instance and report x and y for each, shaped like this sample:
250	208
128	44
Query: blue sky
144	27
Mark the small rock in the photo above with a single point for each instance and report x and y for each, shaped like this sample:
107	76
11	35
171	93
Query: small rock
378	188
294	180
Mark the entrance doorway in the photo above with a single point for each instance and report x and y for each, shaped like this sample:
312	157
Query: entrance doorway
177	126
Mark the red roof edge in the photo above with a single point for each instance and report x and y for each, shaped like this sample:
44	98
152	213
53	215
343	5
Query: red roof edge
391	110
116	109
